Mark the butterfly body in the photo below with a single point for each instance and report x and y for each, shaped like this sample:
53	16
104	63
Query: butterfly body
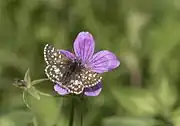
69	74
73	68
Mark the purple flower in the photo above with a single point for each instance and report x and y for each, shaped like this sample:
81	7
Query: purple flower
95	65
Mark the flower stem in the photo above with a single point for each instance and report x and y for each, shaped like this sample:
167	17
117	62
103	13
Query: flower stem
82	106
71	118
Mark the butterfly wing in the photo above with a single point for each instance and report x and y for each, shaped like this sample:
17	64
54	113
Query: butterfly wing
90	78
57	64
55	73
58	71
83	79
53	56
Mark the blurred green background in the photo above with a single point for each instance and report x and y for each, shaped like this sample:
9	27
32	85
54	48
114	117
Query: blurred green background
144	34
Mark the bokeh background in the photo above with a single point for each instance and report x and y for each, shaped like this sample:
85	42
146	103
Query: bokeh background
144	34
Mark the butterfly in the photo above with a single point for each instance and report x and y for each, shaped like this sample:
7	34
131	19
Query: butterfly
70	74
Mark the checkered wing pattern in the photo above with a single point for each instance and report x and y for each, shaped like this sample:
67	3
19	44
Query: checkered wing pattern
59	70
57	64
83	79
90	78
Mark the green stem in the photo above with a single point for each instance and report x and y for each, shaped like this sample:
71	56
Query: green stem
81	100
71	118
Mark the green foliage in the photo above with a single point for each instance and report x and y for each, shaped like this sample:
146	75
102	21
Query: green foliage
137	102
143	91
129	121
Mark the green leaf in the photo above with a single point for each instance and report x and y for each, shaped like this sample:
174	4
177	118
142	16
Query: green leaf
165	94
176	117
39	81
5	121
160	46
33	92
46	110
128	121
16	118
27	77
21	118
138	102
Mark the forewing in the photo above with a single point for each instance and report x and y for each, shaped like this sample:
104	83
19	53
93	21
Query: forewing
53	56
57	64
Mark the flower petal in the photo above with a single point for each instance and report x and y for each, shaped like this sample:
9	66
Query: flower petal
67	54
93	91
84	46
60	90
104	61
